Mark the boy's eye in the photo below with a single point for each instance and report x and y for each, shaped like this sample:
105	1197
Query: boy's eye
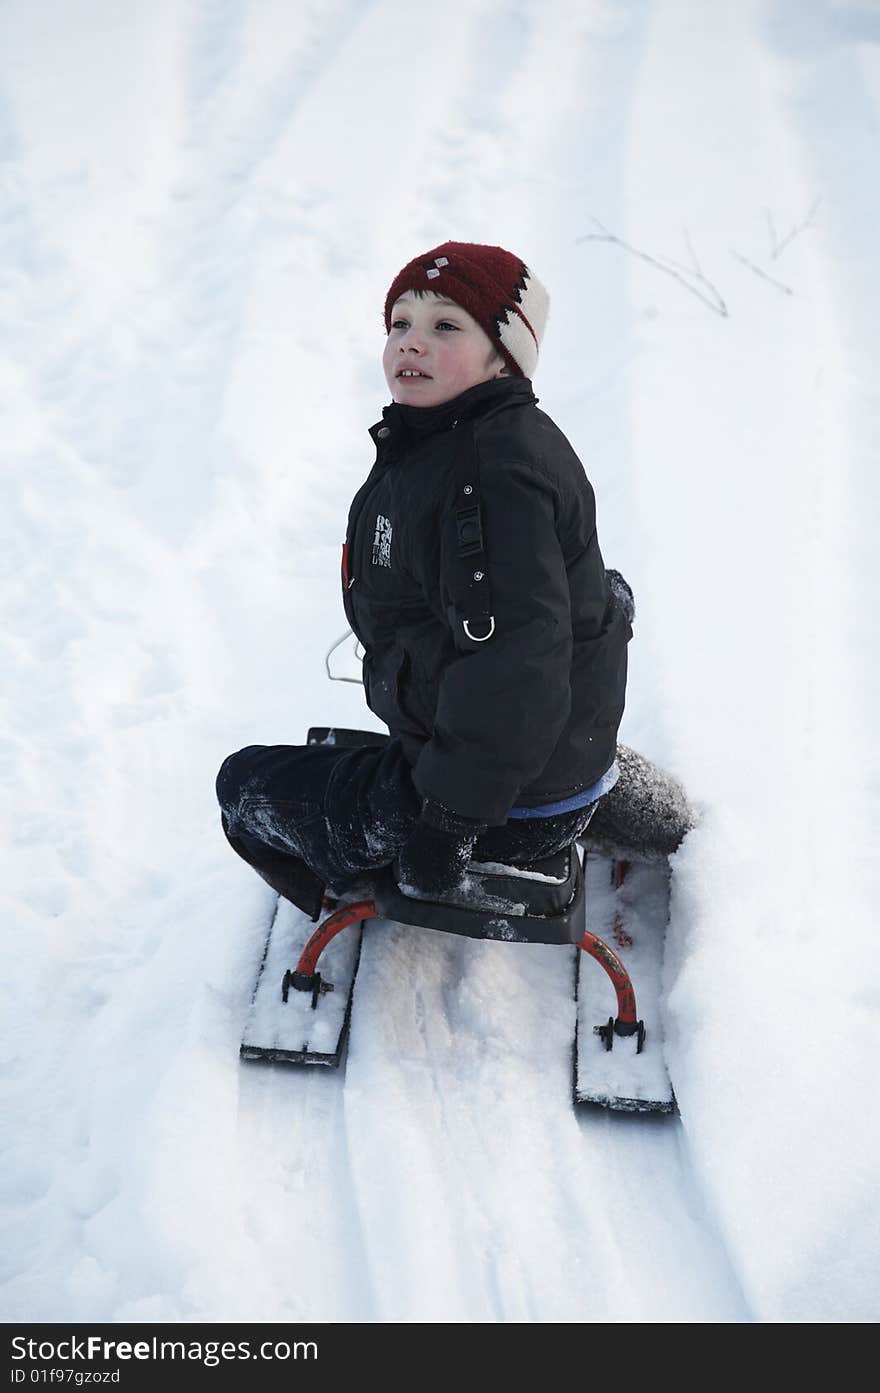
447	324
399	323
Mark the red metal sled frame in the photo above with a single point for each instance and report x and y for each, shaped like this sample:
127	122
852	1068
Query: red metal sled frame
627	1021
306	977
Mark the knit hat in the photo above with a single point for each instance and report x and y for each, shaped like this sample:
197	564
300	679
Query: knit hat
497	289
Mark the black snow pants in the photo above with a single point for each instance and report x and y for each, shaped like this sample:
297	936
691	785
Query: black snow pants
310	817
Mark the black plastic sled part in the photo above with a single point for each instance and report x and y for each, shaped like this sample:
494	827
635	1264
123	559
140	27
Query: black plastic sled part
542	902
273	1055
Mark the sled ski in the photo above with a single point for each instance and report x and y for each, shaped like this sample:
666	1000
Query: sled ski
284	1025
627	908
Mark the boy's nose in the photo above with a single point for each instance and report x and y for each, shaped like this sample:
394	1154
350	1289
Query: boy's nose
412	342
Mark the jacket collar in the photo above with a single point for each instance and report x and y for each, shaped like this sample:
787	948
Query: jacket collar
409	424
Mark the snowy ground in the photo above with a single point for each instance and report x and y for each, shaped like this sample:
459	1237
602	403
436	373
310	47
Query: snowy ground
201	205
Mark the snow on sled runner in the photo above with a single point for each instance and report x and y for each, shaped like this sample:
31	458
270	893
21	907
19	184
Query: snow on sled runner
283	1025
301	1014
627	908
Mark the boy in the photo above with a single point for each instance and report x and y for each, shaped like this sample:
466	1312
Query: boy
495	646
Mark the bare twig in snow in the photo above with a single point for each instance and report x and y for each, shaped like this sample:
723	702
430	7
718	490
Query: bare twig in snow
777	247
706	291
690	246
786	289
695	268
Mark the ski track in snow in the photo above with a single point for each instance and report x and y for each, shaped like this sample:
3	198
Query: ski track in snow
175	470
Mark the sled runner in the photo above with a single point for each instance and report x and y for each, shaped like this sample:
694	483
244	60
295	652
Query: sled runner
627	907
284	1027
303	999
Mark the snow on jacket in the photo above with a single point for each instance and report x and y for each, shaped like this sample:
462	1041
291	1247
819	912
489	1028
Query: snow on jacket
531	715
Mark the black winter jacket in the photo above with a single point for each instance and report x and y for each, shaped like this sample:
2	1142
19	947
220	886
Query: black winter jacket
531	715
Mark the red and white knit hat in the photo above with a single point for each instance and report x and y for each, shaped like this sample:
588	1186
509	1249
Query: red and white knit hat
497	289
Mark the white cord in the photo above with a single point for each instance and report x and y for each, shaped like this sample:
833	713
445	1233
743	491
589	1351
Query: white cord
333	648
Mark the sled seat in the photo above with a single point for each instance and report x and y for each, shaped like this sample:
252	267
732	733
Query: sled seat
542	902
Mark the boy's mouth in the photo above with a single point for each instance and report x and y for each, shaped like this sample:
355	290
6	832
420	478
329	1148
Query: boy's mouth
409	373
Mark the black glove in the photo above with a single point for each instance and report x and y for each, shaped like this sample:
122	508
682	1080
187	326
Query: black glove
622	593
433	860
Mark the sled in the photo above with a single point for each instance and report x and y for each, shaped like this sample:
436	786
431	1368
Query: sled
303	999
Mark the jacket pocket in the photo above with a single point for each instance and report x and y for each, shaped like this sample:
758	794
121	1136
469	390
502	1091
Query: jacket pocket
391	692
413	697
381	673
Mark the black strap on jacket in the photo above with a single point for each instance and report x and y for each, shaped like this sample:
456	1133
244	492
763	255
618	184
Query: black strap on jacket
471	611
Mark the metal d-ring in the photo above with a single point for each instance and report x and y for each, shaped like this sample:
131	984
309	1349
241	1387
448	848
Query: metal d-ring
473	638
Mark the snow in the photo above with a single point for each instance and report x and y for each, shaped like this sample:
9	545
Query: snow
200	210
524	873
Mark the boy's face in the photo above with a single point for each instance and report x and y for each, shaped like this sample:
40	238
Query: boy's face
435	350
